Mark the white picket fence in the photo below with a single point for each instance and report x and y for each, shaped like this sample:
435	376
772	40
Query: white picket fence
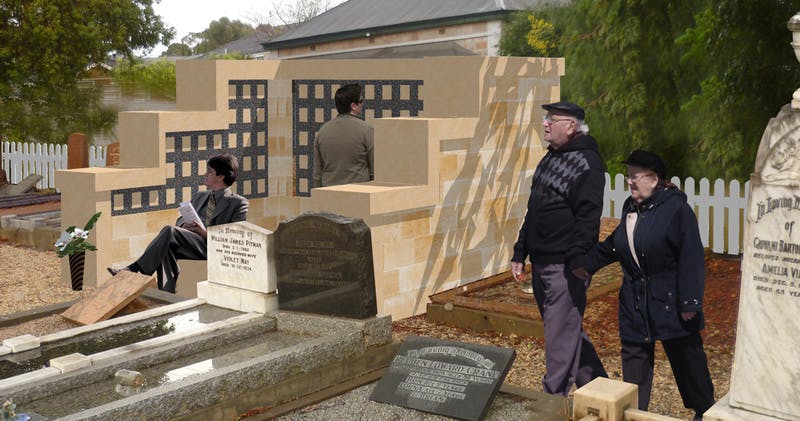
23	159
721	213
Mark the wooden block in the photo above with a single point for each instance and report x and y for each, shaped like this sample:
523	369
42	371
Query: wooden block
134	306
110	298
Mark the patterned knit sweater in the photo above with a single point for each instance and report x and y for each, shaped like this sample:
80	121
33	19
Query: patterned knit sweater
565	205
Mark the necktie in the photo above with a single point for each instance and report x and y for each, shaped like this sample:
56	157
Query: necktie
212	205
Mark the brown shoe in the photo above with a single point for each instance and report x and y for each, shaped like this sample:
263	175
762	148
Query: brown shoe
114	271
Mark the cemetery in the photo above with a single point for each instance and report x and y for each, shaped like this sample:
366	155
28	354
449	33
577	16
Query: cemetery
319	292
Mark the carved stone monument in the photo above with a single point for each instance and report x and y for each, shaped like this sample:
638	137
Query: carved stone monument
241	268
765	380
324	264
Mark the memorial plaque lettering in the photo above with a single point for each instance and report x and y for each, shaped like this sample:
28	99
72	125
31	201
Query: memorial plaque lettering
455	379
324	264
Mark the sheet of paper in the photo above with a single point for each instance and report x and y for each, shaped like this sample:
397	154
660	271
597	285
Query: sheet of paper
189	214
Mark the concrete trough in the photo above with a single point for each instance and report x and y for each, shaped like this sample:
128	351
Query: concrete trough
324	351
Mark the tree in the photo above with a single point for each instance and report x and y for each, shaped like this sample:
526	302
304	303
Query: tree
177	49
741	70
695	81
157	78
219	32
297	11
45	48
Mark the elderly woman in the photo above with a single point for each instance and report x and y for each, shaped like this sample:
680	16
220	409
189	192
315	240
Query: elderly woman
658	245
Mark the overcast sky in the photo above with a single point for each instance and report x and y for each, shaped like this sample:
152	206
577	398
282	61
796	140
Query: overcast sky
188	16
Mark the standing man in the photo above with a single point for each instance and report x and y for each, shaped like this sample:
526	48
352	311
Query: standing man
216	205
561	226
343	146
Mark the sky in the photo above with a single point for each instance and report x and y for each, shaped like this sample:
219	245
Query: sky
188	16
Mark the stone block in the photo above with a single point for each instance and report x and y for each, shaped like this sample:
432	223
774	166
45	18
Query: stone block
71	362
16	382
236	298
605	398
21	343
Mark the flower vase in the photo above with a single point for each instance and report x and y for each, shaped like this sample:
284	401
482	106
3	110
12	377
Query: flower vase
76	270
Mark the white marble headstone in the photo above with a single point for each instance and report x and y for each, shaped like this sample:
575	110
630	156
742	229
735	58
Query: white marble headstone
766	369
239	256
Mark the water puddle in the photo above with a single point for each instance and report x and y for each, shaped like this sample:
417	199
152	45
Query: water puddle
113	337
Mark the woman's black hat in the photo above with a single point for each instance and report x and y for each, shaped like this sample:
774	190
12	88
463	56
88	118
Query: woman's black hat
647	160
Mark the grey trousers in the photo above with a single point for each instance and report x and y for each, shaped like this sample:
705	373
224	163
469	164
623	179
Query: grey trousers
162	254
569	354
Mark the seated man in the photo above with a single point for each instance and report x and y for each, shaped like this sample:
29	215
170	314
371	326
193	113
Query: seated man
217	205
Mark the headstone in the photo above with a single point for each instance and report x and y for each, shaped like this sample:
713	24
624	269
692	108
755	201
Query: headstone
455	379
111	297
26	185
324	264
766	368
112	154
77	151
241	268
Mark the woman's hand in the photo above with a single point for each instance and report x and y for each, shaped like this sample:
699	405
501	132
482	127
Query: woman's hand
687	315
581	273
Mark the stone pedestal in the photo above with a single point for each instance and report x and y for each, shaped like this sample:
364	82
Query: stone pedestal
241	268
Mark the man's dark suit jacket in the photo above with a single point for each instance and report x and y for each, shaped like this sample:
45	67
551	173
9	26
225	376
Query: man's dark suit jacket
174	242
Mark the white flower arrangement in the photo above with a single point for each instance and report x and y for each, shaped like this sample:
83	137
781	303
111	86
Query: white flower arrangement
73	240
7	410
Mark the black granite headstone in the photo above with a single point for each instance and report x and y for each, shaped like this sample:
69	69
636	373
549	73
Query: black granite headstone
324	266
455	379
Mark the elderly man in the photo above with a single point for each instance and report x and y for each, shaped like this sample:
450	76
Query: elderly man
343	146
216	205
560	227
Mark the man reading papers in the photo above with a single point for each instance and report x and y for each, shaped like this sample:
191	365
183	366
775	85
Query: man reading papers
187	240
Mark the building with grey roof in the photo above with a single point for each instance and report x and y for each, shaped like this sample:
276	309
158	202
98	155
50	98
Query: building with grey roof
360	28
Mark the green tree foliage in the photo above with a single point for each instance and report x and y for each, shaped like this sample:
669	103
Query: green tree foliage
742	70
46	47
695	81
158	77
219	32
177	49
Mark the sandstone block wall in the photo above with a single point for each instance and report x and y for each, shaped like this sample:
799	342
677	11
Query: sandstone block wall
456	142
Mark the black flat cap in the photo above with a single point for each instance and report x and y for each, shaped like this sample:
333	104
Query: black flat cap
566	107
649	161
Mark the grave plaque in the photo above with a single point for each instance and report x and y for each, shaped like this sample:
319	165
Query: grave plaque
766	369
324	264
455	379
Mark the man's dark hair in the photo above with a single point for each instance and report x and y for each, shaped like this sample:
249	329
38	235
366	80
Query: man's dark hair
225	165
347	95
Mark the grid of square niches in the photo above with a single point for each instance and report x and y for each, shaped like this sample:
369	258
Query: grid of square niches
313	105
188	152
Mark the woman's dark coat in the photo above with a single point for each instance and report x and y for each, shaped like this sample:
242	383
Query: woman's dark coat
672	277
